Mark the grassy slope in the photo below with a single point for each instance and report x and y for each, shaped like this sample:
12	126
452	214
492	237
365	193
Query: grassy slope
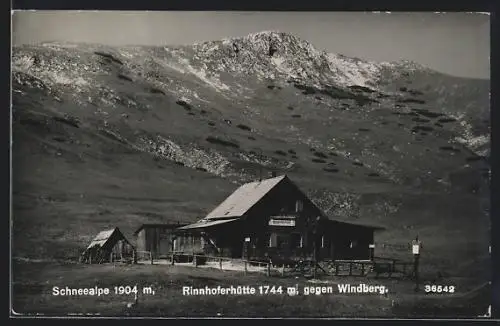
70	182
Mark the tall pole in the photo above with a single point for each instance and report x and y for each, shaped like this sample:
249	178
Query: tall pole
260	165
315	244
416	246
415	270
314	253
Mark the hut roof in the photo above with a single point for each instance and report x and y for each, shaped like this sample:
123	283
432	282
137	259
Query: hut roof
367	226
246	196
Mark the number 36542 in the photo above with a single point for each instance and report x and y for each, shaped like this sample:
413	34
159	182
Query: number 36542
432	288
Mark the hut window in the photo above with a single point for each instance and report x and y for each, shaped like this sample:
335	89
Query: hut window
283	241
299	206
273	240
325	242
297	241
353	244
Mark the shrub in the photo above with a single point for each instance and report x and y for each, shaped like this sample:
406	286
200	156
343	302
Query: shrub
449	148
156	91
184	104
71	121
421	128
215	140
280	152
124	77
427	113
361	89
420	120
474	158
244	127
446	120
320	155
109	57
306	90
296	116
415	92
291	151
318	160
411	100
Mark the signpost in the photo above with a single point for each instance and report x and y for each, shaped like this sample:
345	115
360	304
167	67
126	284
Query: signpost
372	251
246	249
416	246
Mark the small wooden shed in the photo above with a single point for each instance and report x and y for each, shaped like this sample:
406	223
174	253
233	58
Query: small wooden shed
159	239
107	246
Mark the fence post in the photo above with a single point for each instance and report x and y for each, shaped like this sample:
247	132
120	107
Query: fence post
220	263
245	267
151	257
269	269
283	270
350	268
173	259
336	269
111	257
362	269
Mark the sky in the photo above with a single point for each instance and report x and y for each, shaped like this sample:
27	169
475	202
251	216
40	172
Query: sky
452	43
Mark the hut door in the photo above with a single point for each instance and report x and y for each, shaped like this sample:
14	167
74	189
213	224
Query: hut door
120	248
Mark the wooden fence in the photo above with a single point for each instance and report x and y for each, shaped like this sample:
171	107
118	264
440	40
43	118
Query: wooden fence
377	267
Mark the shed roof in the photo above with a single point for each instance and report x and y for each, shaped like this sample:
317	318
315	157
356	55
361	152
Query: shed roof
246	196
103	237
159	226
206	223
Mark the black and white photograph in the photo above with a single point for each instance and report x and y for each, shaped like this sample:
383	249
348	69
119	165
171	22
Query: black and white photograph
225	164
